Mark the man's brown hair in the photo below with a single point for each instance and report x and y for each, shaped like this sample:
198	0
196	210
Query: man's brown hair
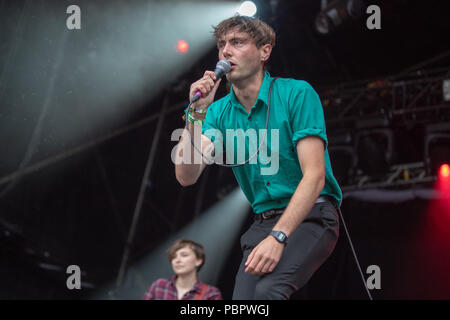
258	30
198	249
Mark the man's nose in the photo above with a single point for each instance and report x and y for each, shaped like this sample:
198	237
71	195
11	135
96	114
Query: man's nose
226	51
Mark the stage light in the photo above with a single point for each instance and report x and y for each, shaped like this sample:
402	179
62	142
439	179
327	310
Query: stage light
182	46
228	214
335	13
444	171
247	8
437	147
446	89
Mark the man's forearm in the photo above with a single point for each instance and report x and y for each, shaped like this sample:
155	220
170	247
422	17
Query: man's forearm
187	164
301	203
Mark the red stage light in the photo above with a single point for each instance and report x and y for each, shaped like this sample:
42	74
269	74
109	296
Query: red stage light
182	46
444	171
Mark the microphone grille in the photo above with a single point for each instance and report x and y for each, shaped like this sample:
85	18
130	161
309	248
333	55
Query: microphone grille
224	65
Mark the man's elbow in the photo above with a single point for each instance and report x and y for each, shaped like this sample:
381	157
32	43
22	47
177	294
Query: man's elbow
317	179
322	182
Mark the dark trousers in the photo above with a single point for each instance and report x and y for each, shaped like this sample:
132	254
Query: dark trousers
307	249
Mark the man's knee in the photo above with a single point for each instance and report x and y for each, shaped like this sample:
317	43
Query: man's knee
270	290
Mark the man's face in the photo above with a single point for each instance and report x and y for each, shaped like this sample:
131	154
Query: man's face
240	50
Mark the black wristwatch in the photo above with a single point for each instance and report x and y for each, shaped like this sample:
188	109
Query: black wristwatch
280	236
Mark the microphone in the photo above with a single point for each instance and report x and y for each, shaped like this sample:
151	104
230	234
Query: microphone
222	68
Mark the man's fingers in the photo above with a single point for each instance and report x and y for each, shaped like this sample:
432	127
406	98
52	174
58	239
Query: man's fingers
258	269
270	266
252	262
250	257
208	82
265	265
216	85
205	85
211	83
210	74
202	90
262	260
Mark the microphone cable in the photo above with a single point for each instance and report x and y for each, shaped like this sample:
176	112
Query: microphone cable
354	253
188	111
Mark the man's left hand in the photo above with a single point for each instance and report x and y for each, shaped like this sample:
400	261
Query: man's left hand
264	257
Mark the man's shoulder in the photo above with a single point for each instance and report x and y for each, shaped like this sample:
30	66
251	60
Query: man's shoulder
220	102
218	106
293	84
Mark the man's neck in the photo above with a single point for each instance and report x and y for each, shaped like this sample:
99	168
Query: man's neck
246	91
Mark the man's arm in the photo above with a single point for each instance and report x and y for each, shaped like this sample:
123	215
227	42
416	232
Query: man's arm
310	150
188	168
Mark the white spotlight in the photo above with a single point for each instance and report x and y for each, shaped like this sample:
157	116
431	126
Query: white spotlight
247	8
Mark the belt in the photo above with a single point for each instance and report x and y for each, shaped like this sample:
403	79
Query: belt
272	213
328	198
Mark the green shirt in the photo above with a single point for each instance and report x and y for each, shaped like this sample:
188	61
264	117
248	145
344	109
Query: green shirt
271	178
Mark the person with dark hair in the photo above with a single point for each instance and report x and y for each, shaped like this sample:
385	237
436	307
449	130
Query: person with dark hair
187	258
294	196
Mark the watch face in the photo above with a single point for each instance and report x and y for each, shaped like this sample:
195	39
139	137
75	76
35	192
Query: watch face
280	236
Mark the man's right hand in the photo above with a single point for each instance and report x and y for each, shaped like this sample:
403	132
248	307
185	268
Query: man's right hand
208	89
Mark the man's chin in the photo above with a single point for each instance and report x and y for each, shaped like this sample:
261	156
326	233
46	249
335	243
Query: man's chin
232	76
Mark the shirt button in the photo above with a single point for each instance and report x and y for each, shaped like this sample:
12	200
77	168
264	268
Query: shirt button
268	183
250	118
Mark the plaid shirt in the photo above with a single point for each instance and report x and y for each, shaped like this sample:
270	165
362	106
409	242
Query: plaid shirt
165	289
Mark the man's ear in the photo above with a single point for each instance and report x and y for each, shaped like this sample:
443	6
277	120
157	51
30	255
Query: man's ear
265	50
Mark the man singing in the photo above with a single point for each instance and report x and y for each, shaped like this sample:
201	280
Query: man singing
296	224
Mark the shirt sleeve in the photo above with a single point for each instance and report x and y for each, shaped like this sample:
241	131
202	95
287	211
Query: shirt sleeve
306	114
210	127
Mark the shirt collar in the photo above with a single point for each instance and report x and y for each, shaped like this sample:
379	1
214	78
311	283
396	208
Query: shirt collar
263	94
172	280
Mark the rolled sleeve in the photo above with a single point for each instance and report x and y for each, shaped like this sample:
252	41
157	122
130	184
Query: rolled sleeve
306	114
310	132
